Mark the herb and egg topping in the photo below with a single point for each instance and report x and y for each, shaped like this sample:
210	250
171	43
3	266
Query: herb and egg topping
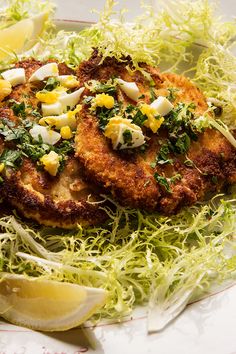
47	139
123	124
129	125
42	133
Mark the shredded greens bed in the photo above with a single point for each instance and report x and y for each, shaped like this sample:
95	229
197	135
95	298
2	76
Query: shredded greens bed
140	258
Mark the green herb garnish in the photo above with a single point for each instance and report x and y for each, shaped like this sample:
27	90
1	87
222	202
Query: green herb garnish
104	114
19	109
127	136
172	94
162	181
51	84
162	157
11	158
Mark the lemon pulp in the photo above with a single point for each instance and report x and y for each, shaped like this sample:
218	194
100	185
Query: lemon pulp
45	304
21	36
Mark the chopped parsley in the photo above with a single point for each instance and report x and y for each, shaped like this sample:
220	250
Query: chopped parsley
163	181
182	144
139	118
10	132
162	157
181	129
11	158
127	136
129	109
134	113
26	146
35	113
172	94
108	87
142	96
51	84
105	88
105	114
88	99
19	109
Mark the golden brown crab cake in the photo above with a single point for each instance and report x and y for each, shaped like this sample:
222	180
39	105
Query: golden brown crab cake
61	201
133	176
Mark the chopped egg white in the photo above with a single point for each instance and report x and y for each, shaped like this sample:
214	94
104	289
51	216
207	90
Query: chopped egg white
48	136
14	76
51	109
130	89
47	70
66	119
162	105
70	100
119	129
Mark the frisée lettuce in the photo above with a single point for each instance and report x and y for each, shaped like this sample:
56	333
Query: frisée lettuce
139	258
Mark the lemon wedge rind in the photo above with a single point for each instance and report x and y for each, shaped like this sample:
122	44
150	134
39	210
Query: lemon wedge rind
47	305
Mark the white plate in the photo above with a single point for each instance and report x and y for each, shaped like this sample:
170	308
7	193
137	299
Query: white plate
205	327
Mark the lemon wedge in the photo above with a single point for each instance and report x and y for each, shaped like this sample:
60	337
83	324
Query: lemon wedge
47	305
21	36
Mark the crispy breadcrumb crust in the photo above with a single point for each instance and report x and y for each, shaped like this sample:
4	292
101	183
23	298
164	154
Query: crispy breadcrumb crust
128	175
62	201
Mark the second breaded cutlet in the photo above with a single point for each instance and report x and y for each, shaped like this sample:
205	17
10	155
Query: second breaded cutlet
131	175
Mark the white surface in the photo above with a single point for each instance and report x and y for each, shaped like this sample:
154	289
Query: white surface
206	327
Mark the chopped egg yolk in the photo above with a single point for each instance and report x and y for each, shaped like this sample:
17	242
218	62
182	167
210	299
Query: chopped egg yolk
51	162
103	100
47	97
2	166
152	122
123	133
66	132
5	89
69	81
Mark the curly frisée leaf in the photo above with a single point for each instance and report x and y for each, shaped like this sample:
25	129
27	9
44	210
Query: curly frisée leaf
160	36
138	258
17	10
215	75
